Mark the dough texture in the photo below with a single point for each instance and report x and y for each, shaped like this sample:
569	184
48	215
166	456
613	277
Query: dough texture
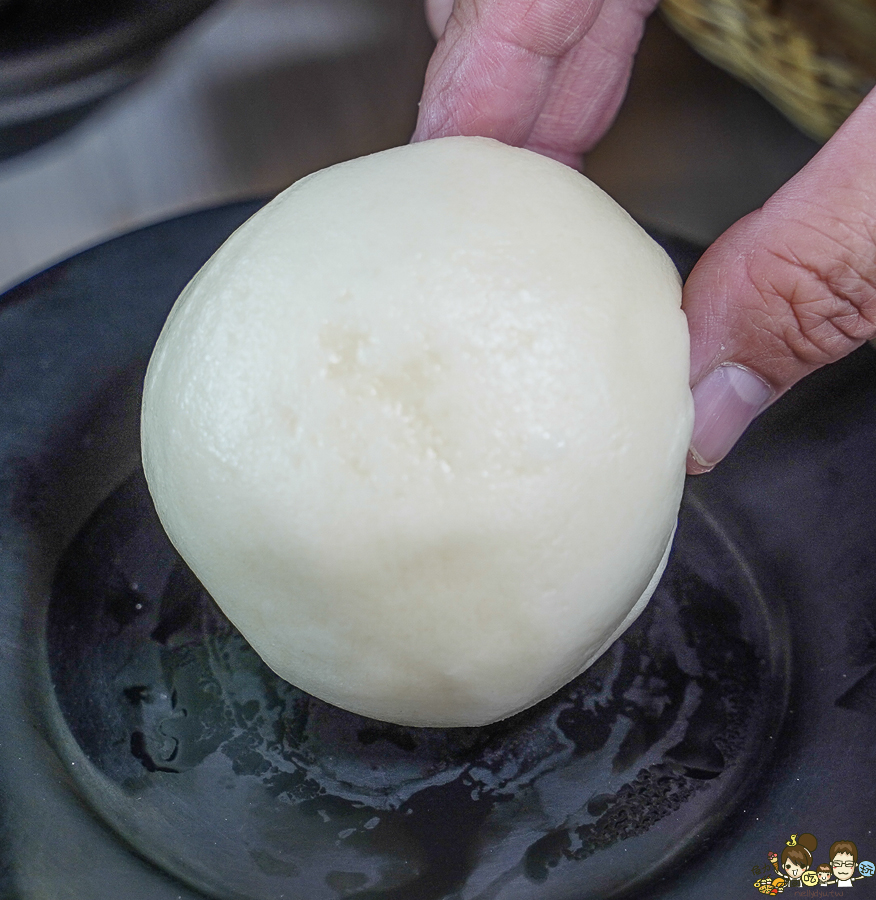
420	425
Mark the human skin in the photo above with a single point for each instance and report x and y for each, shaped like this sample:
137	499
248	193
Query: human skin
787	289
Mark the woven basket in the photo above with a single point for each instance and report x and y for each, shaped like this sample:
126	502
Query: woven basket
813	59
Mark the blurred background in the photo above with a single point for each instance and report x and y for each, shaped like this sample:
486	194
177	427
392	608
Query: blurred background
239	98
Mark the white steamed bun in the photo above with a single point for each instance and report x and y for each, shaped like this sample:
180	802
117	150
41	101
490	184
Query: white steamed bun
420	426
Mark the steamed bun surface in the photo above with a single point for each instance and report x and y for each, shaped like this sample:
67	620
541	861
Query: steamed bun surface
420	426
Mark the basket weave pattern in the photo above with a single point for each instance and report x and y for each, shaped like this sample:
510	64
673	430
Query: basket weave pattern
812	60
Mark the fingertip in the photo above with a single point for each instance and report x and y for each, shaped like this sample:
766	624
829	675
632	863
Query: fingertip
696	466
726	401
437	16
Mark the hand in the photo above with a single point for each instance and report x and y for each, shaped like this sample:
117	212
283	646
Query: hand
548	75
787	289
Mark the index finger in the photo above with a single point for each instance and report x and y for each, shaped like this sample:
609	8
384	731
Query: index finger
544	74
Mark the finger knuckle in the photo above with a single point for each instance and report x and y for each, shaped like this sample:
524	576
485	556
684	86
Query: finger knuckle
819	292
545	28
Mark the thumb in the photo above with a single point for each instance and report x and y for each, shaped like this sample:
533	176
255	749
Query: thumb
786	290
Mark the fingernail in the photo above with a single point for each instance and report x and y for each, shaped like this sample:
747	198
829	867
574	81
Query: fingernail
725	402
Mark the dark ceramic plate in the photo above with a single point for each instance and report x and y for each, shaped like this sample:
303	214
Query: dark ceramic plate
146	752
